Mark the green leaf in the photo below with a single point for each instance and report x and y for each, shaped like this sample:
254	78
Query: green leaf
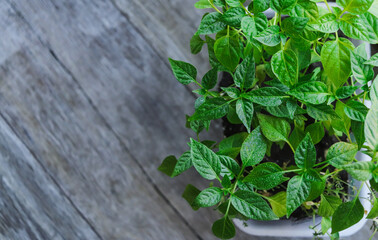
233	16
274	129
211	23
305	154
212	108
346	215
252	206
205	161
371	24
321	112
196	44
253	148
234	141
328	205
325	224
335	57
343	123
233	3
210	79
183	163
231	91
266	176
282	6
208	197
190	193
361	72
210	48
266	96
355	6
285	66
229	166
168	165
202	4
316	131
371	127
354	27
298	189
278	203
226	182
311	92
362	171
244	109
341	153
373	61
270	36
292	26
254	26
358	132
374	90
374	210
184	72
227	51
245	73
317	188
260	6
356	110
326	24
223	228
346	91
281	111
305	9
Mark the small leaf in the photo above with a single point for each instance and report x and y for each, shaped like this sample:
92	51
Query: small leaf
362	171
168	165
254	26
229	166
358	132
211	23
252	206
374	210
278	203
326	24
346	91
210	79
227	51
202	4
305	154
305	9
274	129
190	193
266	96
260	6
212	108
253	148
205	161
231	91
355	6
346	215
316	131
321	112
325	224
341	153
361	72
371	127
233	16
226	182
356	111
196	44
373	61
183	163
270	36
328	205
354	27
223	228
292	26
311	92
184	72
233	3
244	109
245	73
282	6
298	189
285	66
208	197
371	23
266	176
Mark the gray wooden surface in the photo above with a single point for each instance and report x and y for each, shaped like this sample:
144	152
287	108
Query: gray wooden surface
88	109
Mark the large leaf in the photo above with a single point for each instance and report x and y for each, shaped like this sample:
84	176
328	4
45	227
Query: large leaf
183	163
316	131
305	9
328	205
233	16
354	27
298	189
371	24
208	197
335	57
374	90
244	110
371	127
184	72
285	66
282	6
253	149
252	206
266	96
233	3
278	203
260	6
210	79
266	176
363	73
211	23
355	6
321	112
205	161
293	26
373	61
254	26
229	166
245	73
362	171
311	92
346	215
274	129
223	228
356	110
270	36
326	24
346	91
341	153
227	51
305	154
212	108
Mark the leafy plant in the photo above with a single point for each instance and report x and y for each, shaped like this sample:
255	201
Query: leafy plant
297	80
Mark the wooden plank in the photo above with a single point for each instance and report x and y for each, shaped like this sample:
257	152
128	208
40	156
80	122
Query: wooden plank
49	112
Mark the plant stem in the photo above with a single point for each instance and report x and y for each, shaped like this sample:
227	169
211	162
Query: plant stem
329	8
212	5
246	10
288	143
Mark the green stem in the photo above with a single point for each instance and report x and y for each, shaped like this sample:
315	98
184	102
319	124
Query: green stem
329	8
213	6
288	143
246	10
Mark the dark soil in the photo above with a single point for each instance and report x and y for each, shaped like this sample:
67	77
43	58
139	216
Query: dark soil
282	156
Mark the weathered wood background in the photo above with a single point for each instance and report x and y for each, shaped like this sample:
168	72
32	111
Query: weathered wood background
89	108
